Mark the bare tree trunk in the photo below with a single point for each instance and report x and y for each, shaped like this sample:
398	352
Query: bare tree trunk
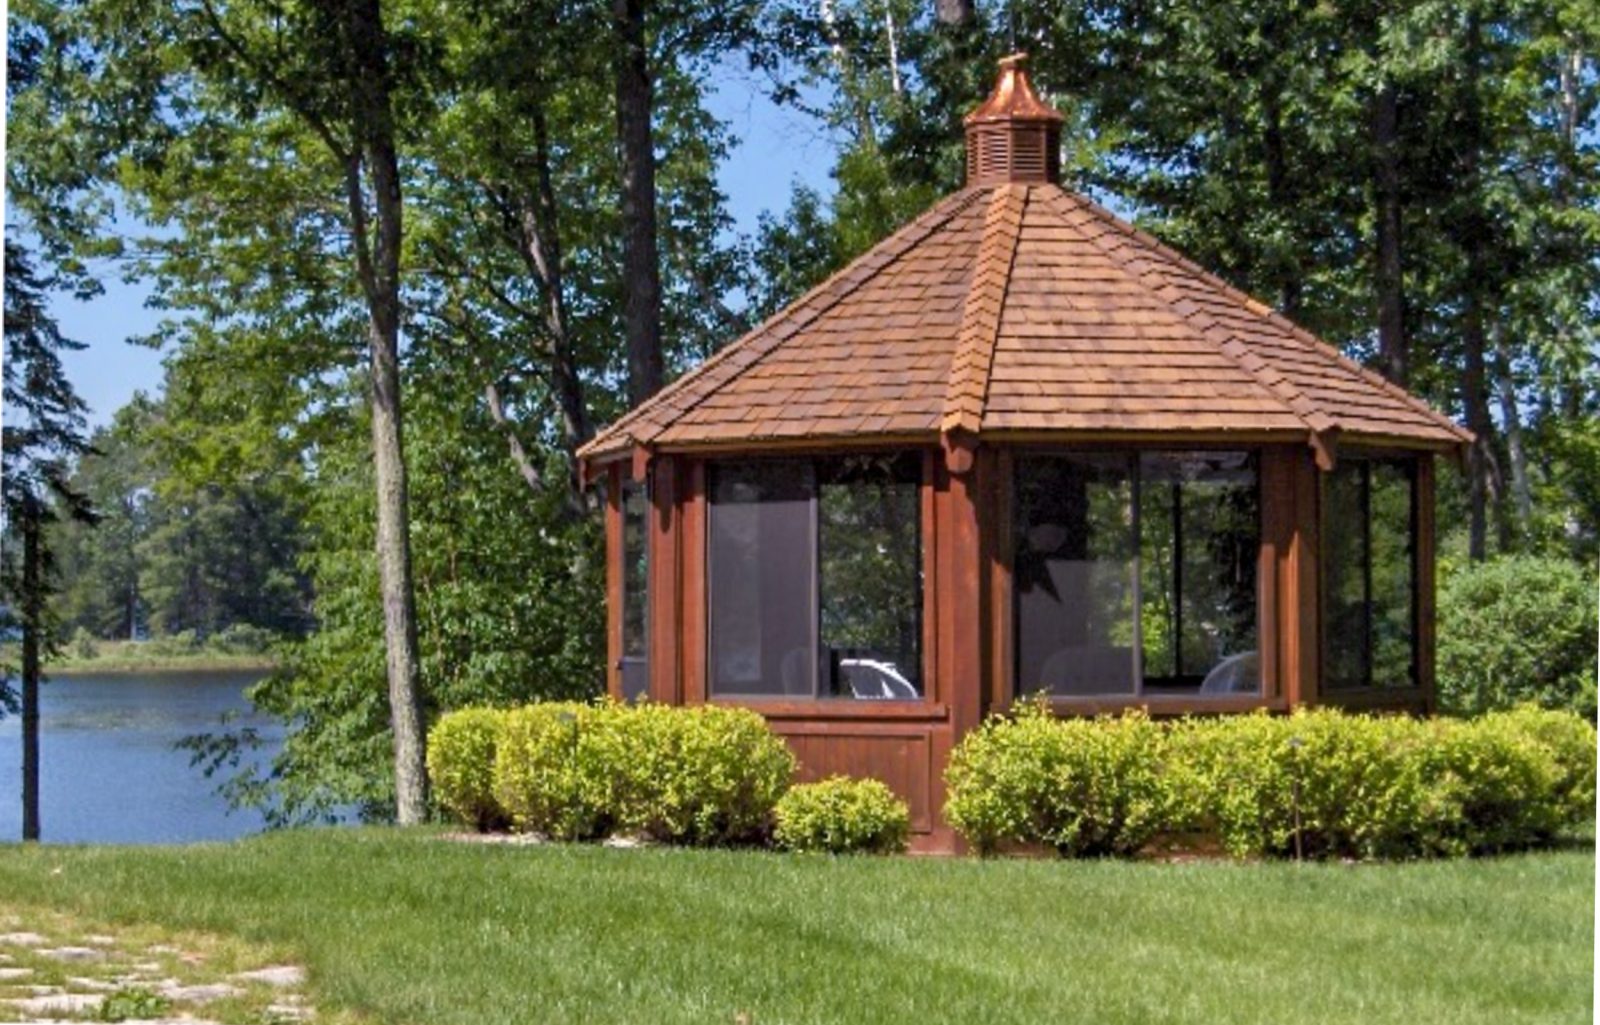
954	12
894	48
1389	280
541	250
641	264
32	626
1279	195
378	261
1516	448
1475	398
1472	238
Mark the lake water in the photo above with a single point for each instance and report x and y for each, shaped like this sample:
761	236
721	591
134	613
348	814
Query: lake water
109	772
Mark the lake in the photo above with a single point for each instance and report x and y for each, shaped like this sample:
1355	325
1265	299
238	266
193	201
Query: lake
109	772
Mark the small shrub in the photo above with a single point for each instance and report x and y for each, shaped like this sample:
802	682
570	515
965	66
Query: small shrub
551	775
700	775
1517	629
242	639
1084	787
84	645
461	762
842	816
1568	741
132	1003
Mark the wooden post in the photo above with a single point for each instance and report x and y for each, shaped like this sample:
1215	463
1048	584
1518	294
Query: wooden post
693	608
1425	607
1301	584
963	566
665	581
615	570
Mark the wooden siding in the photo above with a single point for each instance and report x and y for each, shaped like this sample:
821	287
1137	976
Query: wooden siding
967	643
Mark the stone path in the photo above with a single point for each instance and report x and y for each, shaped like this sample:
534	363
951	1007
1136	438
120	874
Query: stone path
54	970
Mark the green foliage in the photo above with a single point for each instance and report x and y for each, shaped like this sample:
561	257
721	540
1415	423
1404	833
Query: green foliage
1517	629
1345	786
1083	786
83	644
841	815
552	773
1569	743
132	1002
703	775
461	765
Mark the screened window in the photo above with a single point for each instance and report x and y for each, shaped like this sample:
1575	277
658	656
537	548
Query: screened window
1369	573
1136	574
815	578
635	578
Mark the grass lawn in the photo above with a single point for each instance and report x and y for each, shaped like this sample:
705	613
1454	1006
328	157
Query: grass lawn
410	929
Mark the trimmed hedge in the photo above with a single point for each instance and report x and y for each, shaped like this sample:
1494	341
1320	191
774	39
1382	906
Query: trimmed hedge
703	775
1364	786
1082	786
461	755
841	815
553	769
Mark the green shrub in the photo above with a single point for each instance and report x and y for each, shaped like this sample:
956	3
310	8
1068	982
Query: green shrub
1517	629
701	775
552	773
1353	786
461	761
841	815
1082	786
1358	782
1569	742
242	639
84	645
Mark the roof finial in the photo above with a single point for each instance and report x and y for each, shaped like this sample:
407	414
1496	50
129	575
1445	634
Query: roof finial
1013	136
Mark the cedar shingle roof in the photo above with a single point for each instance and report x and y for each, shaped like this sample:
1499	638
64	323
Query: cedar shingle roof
1023	309
1019	309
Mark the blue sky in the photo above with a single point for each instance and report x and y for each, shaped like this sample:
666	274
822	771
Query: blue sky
777	147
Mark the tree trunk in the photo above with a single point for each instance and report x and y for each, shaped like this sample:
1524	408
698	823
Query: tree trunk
1472	236
1475	398
541	250
641	268
1389	280
378	262
1280	195
1516	447
32	626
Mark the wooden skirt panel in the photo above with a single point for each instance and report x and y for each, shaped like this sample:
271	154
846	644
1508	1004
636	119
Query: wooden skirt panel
905	756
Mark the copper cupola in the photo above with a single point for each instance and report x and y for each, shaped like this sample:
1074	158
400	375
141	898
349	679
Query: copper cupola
1013	136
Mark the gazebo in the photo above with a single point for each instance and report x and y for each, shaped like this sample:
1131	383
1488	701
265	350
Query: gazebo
1019	447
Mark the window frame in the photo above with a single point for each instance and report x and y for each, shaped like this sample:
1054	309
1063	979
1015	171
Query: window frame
818	697
1412	464
1012	687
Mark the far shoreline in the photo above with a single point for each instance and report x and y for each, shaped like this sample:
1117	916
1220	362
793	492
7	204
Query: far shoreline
127	658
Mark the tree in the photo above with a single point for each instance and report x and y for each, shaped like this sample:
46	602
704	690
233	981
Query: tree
641	302
43	431
238	86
